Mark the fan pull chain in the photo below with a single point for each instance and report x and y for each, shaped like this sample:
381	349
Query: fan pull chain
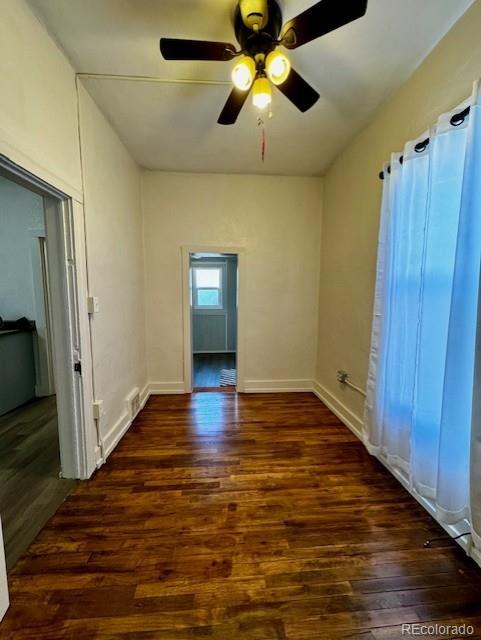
260	124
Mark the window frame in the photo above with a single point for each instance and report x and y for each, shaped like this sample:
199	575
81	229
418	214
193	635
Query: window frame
218	266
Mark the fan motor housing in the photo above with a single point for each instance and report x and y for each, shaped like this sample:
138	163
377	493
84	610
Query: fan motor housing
264	39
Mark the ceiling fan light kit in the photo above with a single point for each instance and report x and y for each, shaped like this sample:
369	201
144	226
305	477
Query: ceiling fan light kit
278	67
244	73
261	93
259	32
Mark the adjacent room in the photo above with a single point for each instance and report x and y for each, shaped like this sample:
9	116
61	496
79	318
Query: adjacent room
240	348
31	487
213	283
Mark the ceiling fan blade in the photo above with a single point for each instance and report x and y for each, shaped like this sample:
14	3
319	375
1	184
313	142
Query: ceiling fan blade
322	18
233	106
299	92
174	49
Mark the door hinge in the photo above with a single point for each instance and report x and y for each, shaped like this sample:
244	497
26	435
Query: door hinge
77	367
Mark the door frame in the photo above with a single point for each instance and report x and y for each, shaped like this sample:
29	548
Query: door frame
64	219
44	359
240	252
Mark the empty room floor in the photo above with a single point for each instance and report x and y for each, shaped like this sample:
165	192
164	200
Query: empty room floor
231	516
30	487
208	367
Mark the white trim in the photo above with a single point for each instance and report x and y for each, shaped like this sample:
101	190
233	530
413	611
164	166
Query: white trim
65	235
71	336
166	388
25	163
186	250
144	396
4	599
338	408
120	428
115	434
43	347
278	386
452	530
80	249
476	555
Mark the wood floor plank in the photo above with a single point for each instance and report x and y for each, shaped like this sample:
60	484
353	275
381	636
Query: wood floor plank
225	516
207	368
30	487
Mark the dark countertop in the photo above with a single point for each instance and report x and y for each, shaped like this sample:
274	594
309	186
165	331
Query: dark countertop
7	332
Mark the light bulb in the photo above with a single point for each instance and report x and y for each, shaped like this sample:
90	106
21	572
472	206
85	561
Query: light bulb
243	73
262	93
278	67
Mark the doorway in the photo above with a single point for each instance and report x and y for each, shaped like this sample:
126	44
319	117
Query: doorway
213	334
214	320
40	393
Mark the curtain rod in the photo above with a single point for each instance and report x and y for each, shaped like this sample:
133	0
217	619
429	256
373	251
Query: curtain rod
455	121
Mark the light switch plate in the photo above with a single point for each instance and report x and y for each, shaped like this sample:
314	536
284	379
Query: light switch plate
93	304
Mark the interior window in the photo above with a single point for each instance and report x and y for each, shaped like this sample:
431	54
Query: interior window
207	283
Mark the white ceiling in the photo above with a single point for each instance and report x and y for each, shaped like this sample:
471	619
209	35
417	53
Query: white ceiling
173	127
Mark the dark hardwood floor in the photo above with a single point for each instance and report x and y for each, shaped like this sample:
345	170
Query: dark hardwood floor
207	368
228	516
30	487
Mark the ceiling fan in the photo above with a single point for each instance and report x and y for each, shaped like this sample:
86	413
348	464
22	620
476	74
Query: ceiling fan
259	31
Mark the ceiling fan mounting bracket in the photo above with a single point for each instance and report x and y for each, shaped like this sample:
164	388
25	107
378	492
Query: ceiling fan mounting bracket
266	38
254	13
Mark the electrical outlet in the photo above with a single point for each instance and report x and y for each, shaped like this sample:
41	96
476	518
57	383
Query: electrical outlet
342	376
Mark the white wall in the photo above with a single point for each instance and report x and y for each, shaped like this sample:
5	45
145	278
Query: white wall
352	199
38	106
115	266
39	129
278	221
20	212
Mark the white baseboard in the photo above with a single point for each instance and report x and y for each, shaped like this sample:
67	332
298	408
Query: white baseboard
277	386
353	422
98	457
119	429
161	388
428	504
4	599
476	555
115	434
144	396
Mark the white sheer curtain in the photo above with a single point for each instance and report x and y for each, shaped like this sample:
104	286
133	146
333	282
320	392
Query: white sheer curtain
423	410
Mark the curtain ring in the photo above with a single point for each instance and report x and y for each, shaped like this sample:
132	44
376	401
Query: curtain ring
421	146
459	118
